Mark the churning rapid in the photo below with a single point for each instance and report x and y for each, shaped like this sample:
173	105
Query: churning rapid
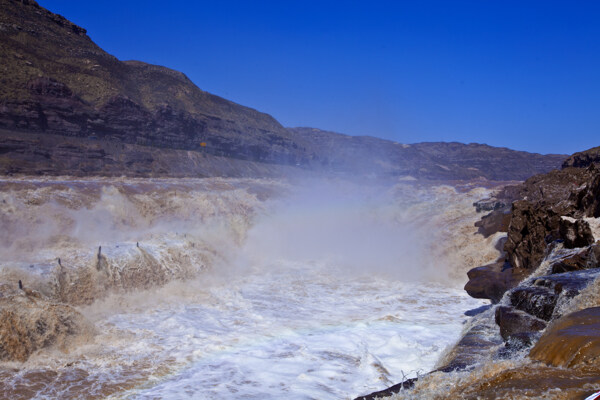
233	288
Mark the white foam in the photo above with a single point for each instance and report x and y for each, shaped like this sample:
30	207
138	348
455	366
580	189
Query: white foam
296	331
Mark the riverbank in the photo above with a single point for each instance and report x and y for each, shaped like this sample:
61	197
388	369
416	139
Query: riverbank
538	339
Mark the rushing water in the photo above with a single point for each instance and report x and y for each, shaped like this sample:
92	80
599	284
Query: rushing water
292	331
322	296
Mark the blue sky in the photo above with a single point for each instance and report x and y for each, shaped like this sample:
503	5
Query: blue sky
519	74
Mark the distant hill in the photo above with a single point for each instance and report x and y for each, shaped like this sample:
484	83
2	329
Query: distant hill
68	107
428	160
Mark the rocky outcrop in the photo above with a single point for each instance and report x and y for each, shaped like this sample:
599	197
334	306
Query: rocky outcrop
552	234
587	198
552	210
517	325
583	159
496	221
532	227
492	281
547	224
545	209
489	205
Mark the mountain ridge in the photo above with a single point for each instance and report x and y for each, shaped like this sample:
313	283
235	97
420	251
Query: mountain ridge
57	83
425	160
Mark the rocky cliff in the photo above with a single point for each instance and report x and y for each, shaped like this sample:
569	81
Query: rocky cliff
56	81
69	107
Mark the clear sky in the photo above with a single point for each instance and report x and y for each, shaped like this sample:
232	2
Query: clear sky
520	74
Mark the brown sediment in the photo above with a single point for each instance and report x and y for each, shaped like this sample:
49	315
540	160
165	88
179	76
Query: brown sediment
29	323
571	341
530	381
69	382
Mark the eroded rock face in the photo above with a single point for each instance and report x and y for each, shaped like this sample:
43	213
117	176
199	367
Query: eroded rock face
587	200
29	323
529	229
572	341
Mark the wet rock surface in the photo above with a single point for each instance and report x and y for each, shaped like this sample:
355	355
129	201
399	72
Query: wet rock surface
492	281
539	296
475	344
572	341
407	384
585	259
517	325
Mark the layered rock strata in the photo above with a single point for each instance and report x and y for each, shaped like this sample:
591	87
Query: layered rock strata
69	107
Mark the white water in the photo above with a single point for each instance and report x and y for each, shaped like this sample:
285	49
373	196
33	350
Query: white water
295	331
330	296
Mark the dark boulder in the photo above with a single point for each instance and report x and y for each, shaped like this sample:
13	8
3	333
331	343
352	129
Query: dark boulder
407	384
472	348
529	227
537	301
489	205
496	221
575	233
517	325
492	281
539	296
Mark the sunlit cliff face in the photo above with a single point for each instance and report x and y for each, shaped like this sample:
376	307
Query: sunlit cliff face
237	288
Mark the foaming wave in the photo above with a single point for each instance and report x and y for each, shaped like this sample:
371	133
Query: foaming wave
74	240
